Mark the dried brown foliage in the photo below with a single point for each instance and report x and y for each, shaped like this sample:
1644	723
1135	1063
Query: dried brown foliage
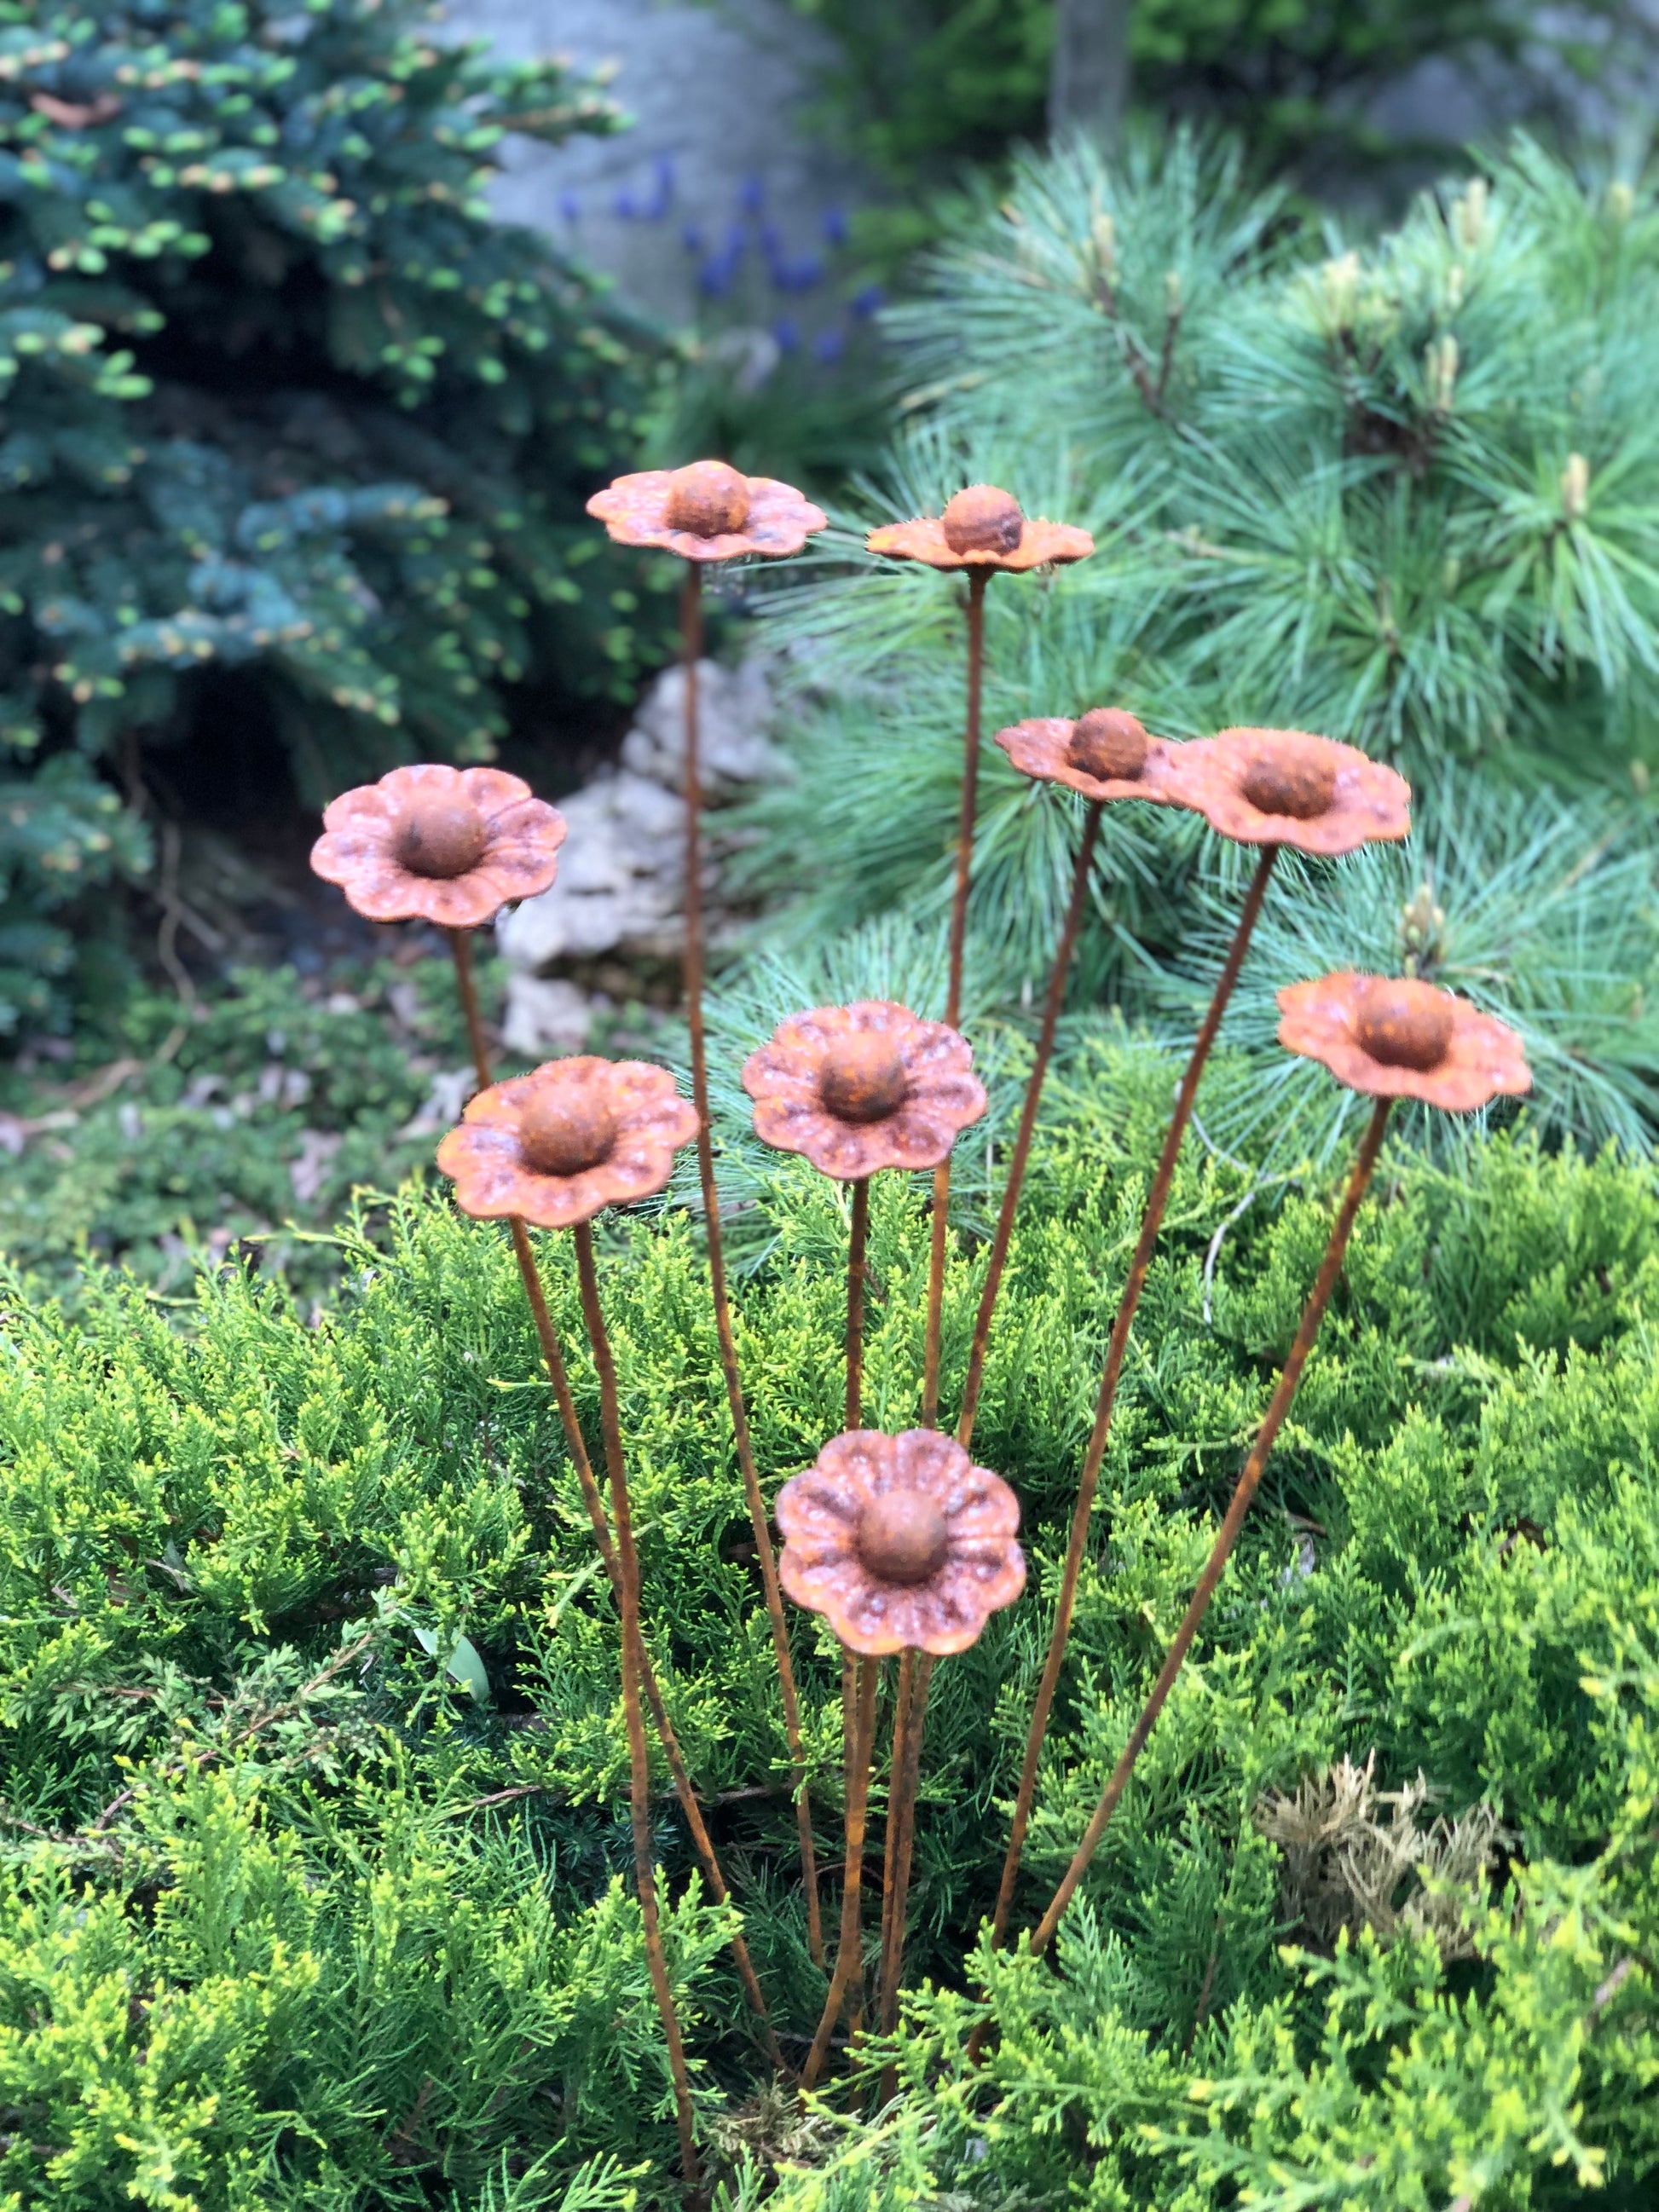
1355	1856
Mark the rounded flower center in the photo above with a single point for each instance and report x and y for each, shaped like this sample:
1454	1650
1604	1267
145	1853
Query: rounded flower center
442	837
901	1537
982	520
1295	780
863	1077
708	499
1107	744
1406	1024
562	1133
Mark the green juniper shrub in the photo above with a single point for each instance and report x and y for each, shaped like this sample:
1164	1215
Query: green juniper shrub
310	1832
281	406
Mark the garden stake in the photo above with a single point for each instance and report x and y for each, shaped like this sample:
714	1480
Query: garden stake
857	1239
940	1226
461	951
982	530
868	1086
451	847
902	1545
1324	1283
901	1835
639	1769
691	649
902	1700
577	1446
1004	1228
1156	1198
709	512
848	1966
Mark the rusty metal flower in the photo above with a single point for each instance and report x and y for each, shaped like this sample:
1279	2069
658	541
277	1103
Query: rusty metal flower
863	1087
447	845
1396	1037
1288	788
981	528
707	512
1104	754
901	1542
558	1144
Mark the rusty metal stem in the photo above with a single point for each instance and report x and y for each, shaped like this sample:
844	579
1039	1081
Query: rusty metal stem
849	1964
703	1842
966	819
461	951
908	1729
1156	1198
1022	1151
639	1768
977	583
857	1240
902	1697
691	653
1324	1283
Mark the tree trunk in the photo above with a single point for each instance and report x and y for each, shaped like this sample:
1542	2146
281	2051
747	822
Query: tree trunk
1089	81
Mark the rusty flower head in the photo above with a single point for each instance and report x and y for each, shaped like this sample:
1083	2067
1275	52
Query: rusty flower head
981	528
901	1542
1105	754
1286	788
862	1087
448	845
707	512
558	1144
1394	1037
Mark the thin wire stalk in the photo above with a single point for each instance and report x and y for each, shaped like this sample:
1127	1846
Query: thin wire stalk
691	653
1151	1220
1324	1283
639	1768
908	1729
576	1444
856	1241
941	1221
901	1699
1022	1151
848	1963
461	951
460	947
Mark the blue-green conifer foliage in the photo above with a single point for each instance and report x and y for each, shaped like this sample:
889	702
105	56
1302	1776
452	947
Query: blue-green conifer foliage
279	398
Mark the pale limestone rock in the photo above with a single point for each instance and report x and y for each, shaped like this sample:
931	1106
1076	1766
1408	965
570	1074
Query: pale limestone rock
621	884
734	708
621	874
547	1015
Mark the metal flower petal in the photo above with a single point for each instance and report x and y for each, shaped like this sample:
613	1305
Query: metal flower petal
1398	1037
901	1542
860	1088
708	512
1104	754
1289	787
557	1145
440	844
982	527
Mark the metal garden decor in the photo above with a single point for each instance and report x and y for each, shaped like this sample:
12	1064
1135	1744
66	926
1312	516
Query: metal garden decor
899	1542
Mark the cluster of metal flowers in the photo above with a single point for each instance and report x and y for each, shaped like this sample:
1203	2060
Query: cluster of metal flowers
901	1542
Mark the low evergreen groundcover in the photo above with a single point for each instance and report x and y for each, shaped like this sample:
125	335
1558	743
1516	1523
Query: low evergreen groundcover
312	1782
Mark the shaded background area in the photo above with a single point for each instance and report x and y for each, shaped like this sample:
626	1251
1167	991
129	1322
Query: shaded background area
296	490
